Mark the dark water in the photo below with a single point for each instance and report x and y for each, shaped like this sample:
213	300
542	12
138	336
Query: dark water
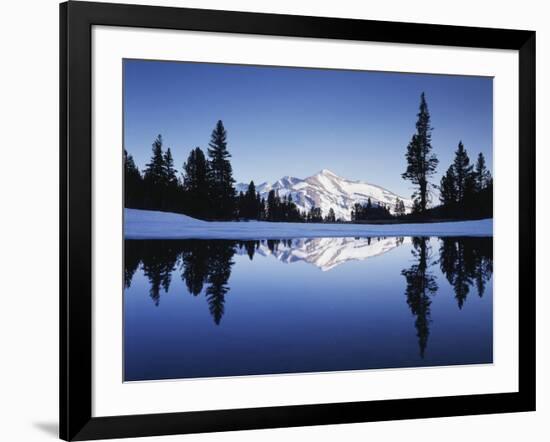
205	308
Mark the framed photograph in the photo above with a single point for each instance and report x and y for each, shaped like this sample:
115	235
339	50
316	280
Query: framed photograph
273	220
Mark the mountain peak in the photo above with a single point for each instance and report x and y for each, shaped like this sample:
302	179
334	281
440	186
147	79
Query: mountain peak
326	190
327	172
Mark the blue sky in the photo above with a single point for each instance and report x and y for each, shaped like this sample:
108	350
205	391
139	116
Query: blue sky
294	121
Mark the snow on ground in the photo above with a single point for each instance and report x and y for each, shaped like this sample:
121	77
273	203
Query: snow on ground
147	224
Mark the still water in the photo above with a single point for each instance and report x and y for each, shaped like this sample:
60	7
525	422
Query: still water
206	308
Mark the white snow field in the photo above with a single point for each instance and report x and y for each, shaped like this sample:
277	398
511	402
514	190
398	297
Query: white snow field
147	224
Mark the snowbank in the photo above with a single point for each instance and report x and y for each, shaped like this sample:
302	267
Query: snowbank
146	224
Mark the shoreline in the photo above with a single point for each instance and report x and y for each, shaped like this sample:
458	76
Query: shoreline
146	224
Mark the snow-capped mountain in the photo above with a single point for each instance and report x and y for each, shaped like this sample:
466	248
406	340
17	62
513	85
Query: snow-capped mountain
327	253
326	189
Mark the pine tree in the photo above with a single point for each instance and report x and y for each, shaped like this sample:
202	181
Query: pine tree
358	212
315	215
154	170
220	174
154	177
251	204
220	263
421	162
169	170
421	286
463	173
261	207
172	200
241	206
482	175
196	185
133	183
271	206
399	207
331	217
447	188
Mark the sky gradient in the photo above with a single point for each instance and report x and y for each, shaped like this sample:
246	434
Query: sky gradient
295	121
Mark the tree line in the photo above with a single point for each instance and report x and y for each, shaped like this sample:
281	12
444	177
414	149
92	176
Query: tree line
205	188
205	267
377	211
465	190
466	262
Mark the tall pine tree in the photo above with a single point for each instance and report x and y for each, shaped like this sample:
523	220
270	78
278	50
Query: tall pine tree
173	191
421	162
220	175
196	184
169	170
154	177
154	170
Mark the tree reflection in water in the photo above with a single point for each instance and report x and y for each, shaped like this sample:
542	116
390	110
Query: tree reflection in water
205	266
465	261
421	285
201	263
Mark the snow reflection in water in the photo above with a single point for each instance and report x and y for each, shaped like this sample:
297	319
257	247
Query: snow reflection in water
262	317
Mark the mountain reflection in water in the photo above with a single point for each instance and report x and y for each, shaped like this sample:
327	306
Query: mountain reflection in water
463	265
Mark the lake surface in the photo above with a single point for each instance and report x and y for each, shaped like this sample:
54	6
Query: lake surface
207	308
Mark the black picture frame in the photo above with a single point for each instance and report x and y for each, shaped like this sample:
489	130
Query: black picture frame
76	21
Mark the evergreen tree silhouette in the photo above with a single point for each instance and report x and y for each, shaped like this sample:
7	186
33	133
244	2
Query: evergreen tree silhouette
171	202
273	245
251	247
463	173
194	265
132	259
399	207
251	205
315	215
220	263
421	286
466	262
154	177
482	175
483	265
447	188
158	262
261	215
271	206
169	170
133	183
220	175
421	162
241	205
466	192
196	184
